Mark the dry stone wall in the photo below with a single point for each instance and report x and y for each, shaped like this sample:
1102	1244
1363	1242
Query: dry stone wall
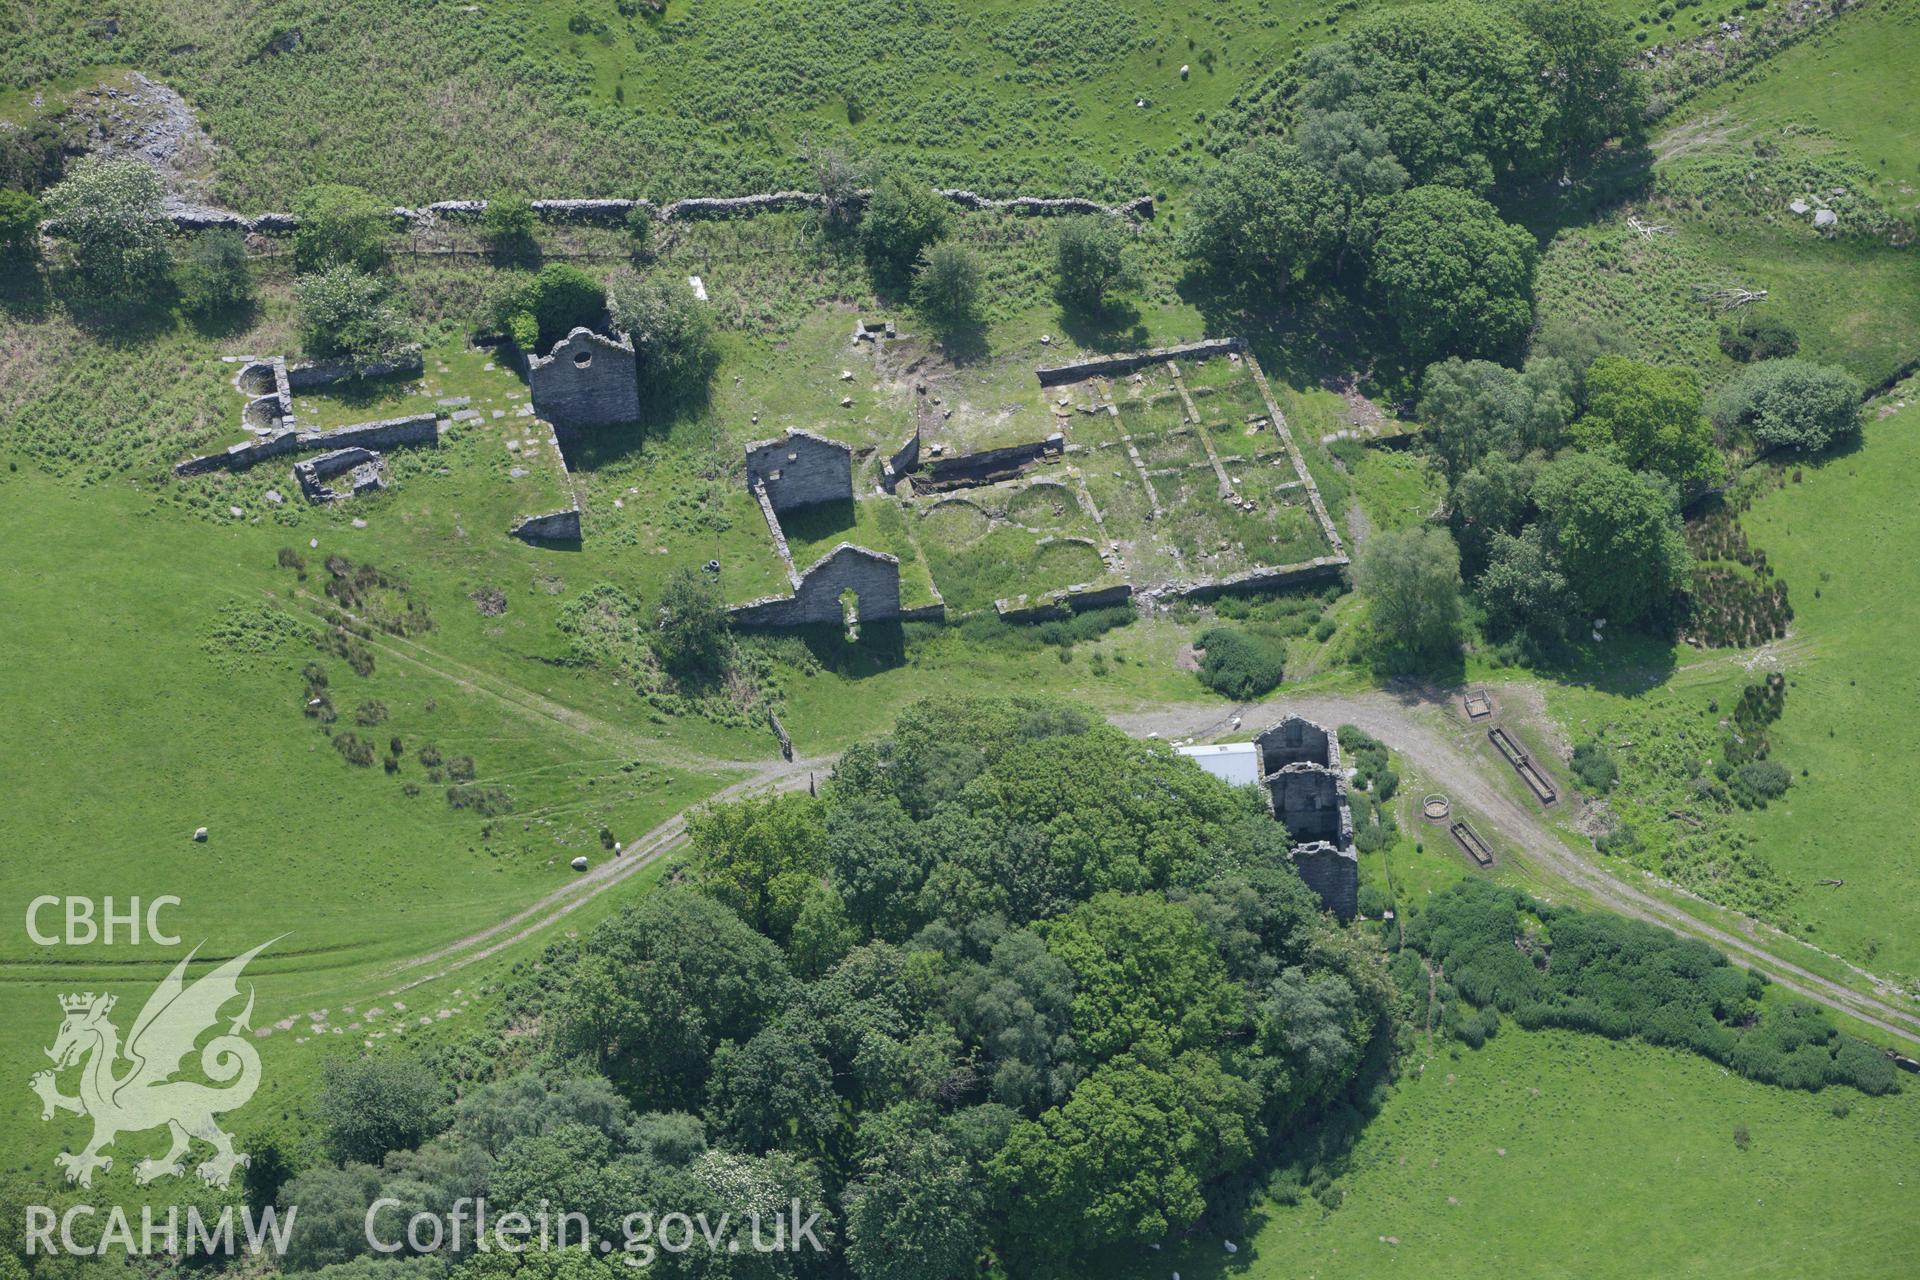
986	466
597	212
320	373
587	380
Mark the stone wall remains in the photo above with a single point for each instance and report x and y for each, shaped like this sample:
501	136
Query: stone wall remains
801	469
873	576
901	461
587	380
1333	873
597	212
554	526
416	429
1308	799
320	373
1054	605
1307	788
1113	366
1263	578
313	473
1295	740
987	466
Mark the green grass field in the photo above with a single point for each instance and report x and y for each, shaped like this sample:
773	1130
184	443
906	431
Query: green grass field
1555	1154
1850	709
1836	85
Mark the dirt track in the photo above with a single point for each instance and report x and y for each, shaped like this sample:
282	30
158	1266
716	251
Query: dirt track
1420	723
576	893
1422	726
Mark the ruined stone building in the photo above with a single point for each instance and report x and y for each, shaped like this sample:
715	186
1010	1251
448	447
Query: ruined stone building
587	380
820	593
800	469
1307	787
850	584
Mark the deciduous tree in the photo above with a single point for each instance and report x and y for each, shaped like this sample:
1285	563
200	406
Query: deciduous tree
1454	277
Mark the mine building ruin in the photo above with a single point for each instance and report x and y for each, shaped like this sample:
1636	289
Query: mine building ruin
1297	763
1307	789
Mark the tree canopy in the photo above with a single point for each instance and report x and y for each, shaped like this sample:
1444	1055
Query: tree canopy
346	312
1790	404
672	332
1263	218
1615	532
1648	417
1455	89
1411	580
902	218
339	225
1452	276
110	210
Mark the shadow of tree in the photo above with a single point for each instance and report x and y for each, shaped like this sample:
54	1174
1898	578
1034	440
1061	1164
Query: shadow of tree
226	322
882	646
24	295
1115	325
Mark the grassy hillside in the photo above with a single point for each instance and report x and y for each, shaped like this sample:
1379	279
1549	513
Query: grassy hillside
416	100
1823	122
1849	716
1836	86
1548	1153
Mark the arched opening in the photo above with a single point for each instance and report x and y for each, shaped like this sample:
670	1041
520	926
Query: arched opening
850	612
581	359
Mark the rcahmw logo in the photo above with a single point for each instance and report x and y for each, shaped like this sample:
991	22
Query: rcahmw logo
145	1095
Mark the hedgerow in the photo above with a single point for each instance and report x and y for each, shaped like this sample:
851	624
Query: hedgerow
1551	966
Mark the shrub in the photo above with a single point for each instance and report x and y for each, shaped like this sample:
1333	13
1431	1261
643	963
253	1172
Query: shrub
640	230
488	802
1764	778
508	221
1089	260
212	275
111	211
19	221
1594	767
902	218
1241	664
1089	625
946	285
339	226
672	333
1790	404
690	628
1757	339
561	298
345	312
461	769
374	1105
370	713
355	748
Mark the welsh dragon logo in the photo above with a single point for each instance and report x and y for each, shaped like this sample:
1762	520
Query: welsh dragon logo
144	1095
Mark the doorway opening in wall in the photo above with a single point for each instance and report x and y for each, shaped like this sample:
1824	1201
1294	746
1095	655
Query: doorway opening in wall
850	612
